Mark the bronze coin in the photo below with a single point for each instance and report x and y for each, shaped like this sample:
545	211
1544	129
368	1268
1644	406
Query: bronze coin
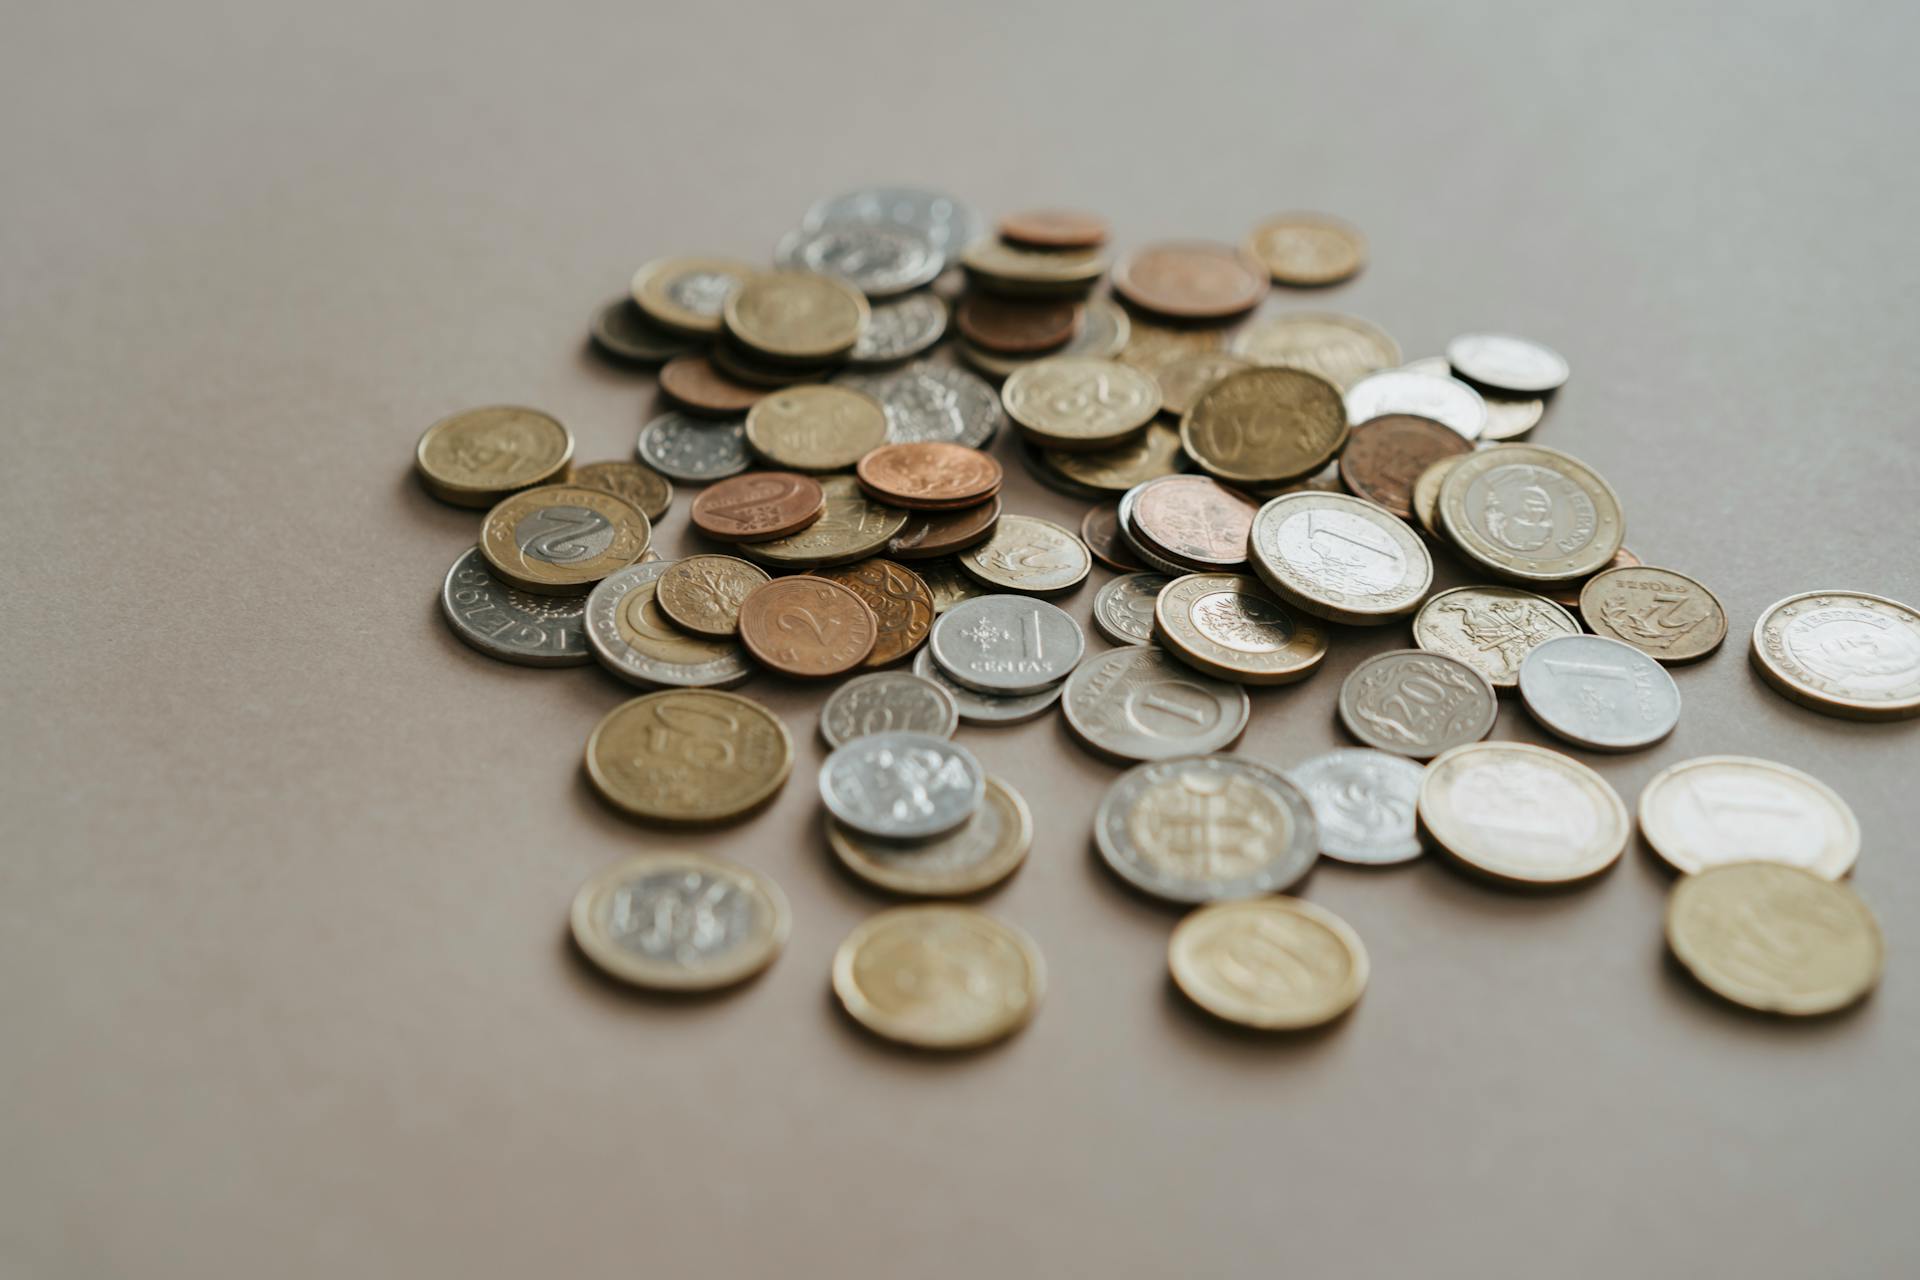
1016	328
1568	594
758	506
1100	530
1055	229
938	533
807	626
902	605
1190	280
929	474
1385	455
696	386
1195	520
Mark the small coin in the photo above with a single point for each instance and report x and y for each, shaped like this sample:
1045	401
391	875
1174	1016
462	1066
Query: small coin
947	582
559	539
1491	629
633	638
1775	938
941	533
1417	704
996	266
1509	364
623	331
807	626
949	224
900	329
939	977
796	316
926	401
1029	555
1206	828
1055	229
1385	458
692	382
1363	803
985	708
853	527
1193	520
816	428
702	594
1123	611
689	756
1426	494
902	605
534	631
1599	693
758	506
1183	381
1226	625
1273	964
686	448
929	475
1003	645
1842	653
1014	327
1265	426
988	849
1341	349
1075	403
1154	453
1714	810
1666	615
1521	813
1190	280
680	921
481	456
1138	703
640	485
888	702
1308	249
878	259
1340	557
1391	392
1530	513
901	786
1100	530
687	295
1152	348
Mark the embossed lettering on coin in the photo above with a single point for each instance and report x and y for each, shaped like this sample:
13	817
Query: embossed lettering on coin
1417	704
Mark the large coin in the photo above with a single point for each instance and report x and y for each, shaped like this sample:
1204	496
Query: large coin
687	294
686	448
1265	426
689	755
1339	348
1417	704
1226	625
901	786
939	977
1029	555
477	458
985	708
1193	520
926	401
1426	494
807	626
1666	615
1273	964
1713	810
1138	703
1448	401
988	849
1844	653
758	506
1154	453
901	329
1007	644
1775	938
1522	813
534	631
1599	693
1385	458
816	428
1363	802
1205	828
558	540
1491	629
636	641
887	702
852	528
1123	611
949	224
1509	364
623	331
877	259
1340	558
1079	404
1530	513
702	594
1190	280
644	487
902	605
1308	249
796	316
680	921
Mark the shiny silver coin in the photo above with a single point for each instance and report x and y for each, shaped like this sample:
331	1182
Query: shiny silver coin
985	708
1509	364
933	402
948	224
1448	401
1599	693
636	642
1137	703
1418	704
509	624
622	330
901	329
902	786
877	259
887	702
1364	802
1123	611
1206	828
1006	644
696	450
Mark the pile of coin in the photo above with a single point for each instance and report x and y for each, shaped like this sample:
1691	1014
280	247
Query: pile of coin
1253	485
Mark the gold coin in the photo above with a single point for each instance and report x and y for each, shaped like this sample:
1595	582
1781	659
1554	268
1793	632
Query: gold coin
1265	426
1340	557
680	921
1228	626
476	458
689	755
853	527
1530	514
1029	555
560	539
796	316
1522	814
816	428
1714	810
1275	964
1154	453
1665	615
640	485
1183	381
1774	938
1077	403
998	267
1339	348
1842	653
1152	347
1308	249
687	295
949	584
702	594
939	977
988	849
1426	493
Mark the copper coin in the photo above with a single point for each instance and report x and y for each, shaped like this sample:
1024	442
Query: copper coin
696	386
1055	229
1100	530
1194	519
1385	455
1017	328
807	626
929	474
758	506
732	363
901	601
938	533
1190	280
1569	594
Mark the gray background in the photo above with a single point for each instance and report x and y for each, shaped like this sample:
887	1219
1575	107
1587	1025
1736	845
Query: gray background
283	969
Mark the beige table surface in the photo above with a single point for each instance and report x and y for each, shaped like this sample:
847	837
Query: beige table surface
284	983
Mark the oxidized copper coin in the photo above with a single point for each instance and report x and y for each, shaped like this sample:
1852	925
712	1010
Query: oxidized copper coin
1100	530
807	626
1195	520
1014	327
1190	280
758	506
902	605
696	386
939	533
1055	228
929	474
1385	456
1568	594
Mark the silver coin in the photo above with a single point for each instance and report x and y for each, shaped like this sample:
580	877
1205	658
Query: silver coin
1509	364
1418	704
622	329
1446	400
933	402
696	450
505	623
947	223
1364	802
1206	828
1006	644
1508	416
877	259
902	786
636	642
1137	703
985	708
1599	693
901	329
887	702
1124	608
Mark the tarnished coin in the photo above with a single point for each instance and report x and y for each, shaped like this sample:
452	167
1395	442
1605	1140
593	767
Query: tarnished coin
1491	629
941	533
1530	513
1714	810
1007	644
926	401
1448	401
1014	327
640	485
1192	520
901	786
796	316
902	605
1843	653
949	224
481	456
1226	625
534	631
692	382
689	756
985	708
1273	964
1152	454
1666	615
623	331
878	259
1340	557
1029	555
1385	458
816	428
1137	703
1341	349
1426	494
758	506
1599	693
1417	704
1123	611
988	849
947	582
887	702
939	977
900	329
635	640
996	266
1183	381
702	594
558	540
686	295
1775	938
1522	813
1190	280
807	626
1055	228
1509	364
1076	403
1363	803
1265	426
1205	828
680	921
929	476
686	448
1308	249
1100	530
852	528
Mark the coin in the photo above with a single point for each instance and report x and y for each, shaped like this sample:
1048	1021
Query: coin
1153	347
1363	803
996	266
988	849
1510	417
949	585
1055	228
1307	249
692	382
1273	964
1341	349
852	528
560	539
534	631
1599	693
702	594
1385	458
1530	513
949	224
1226	625
938	977
1190	280
1265	426
816	428
926	401
887	702
1152	454
686	295
639	485
1417	704
1205	828
796	316
901	786
680	921
1522	813
758	506
1014	327
623	331
479	457
1448	401
929	475
688	449
1426	493
1138	703
939	533
1666	615
1193	520
1029	555
1567	594
1123	611
807	626
1183	381
1509	364
1775	938
1714	810
1100	530
878	259
636	641
1340	557
1075	403
1491	629
900	328
758	373
689	755
902	605
985	708
1843	653
1002	644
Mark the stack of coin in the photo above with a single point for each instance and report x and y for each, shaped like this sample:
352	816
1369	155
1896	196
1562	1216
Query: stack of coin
1061	259
1187	524
1078	404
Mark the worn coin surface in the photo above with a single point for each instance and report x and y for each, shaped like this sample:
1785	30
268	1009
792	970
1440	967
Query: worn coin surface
702	594
796	315
686	295
1226	625
878	259
689	755
929	475
1523	814
1055	228
985	708
1363	802
692	382
998	266
1506	363
852	528
902	605
1341	349
560	539
1448	401
901	786
1190	280
1775	938
1003	644
1666	615
1491	629
1426	494
534	631
633	638
1100	530
807	626
478	457
927	401
1123	611
1844	653
1599	693
1308	249
680	921
622	330
939	977
1272	964
640	485
1265	426
887	702
1204	828
948	223
1531	513
947	582
1138	703
1014	327
1713	810
1340	557
900	329
758	506
689	449
1150	455
988	849
816	428
1417	704
1077	403
1193	520
941	533
1029	555
1183	381
1385	457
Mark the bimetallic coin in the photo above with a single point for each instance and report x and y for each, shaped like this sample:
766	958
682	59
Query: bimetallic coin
479	457
1194	521
852	528
1123	611
1491	629
1100	530
1510	417
947	582
1340	557
1666	615
796	316
689	756
559	540
1842	653
939	977
901	786
1273	964
902	605
887	702
1530	513
1183	381
1075	404
1340	349
806	626
634	639
702	594
1055	228
1227	626
1417	704
1363	803
680	921
948	224
1007	644
687	295
1029	555
623	331
1265	426
1714	810
758	506
642	486
1426	494
900	329
1775	938
985	708
1385	458
1206	828
816	428
689	449
1509	364
534	631
1307	249
988	849
877	259
1154	453
926	401
692	382
1190	280
1599	693
1448	401
1522	814
1137	703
